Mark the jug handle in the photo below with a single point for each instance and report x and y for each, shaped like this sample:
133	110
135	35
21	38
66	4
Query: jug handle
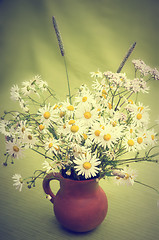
46	184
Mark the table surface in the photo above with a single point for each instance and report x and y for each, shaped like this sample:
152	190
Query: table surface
96	34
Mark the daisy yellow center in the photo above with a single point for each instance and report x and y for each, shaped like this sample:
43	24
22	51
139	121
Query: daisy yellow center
15	149
102	127
23	129
70	108
87	115
30	137
107	137
84	99
97	132
126	176
139	116
74	128
41	127
104	95
50	145
140	140
131	142
140	109
87	165
62	114
85	136
56	106
152	137
131	130
57	148
130	101
46	115
71	122
104	92
109	106
114	123
64	126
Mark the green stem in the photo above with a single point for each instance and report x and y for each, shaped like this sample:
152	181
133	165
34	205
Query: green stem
42	154
68	83
147	186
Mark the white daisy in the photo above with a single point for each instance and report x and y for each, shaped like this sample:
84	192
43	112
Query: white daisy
29	87
151	137
42	85
95	132
14	92
96	74
125	176
72	130
52	146
85	97
29	140
47	114
77	149
18	181
86	114
109	135
5	128
130	143
87	165
22	129
68	108
14	149
48	166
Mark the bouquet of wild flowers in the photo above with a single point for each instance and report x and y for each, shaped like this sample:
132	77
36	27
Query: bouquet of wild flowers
86	135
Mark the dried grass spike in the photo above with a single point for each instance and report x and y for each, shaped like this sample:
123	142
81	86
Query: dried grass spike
58	35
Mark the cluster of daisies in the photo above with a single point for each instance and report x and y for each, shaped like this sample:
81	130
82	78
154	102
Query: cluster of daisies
87	135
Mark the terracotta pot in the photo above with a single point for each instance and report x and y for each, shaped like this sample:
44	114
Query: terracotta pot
79	206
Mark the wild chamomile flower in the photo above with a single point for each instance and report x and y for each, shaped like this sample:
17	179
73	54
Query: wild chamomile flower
5	128
96	74
86	114
18	181
22	129
15	93
151	137
29	140
67	108
52	146
77	149
109	136
140	116
125	176
85	97
48	166
42	85
72	130
95	132
28	88
14	148
86	165
47	114
130	143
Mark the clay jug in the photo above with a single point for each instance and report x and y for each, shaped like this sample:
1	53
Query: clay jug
79	206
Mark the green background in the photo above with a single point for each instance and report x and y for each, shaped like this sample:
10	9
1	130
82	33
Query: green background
96	34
